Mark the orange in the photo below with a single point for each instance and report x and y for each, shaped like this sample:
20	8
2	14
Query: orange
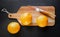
26	18
13	27
42	21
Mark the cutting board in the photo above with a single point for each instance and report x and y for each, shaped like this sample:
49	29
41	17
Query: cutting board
31	10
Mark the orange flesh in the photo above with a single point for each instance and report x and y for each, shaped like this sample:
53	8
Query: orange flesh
42	21
26	18
13	27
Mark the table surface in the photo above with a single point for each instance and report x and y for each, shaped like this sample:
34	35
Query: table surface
13	5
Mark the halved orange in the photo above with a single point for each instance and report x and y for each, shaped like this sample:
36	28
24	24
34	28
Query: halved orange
42	21
13	27
26	18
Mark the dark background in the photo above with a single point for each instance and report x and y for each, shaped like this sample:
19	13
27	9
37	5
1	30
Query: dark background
13	5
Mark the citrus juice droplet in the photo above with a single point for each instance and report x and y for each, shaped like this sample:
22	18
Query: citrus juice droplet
13	27
42	21
26	18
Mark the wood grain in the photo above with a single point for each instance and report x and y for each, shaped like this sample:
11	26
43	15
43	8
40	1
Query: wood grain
31	10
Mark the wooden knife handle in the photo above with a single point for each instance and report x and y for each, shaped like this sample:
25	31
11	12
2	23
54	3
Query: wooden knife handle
49	14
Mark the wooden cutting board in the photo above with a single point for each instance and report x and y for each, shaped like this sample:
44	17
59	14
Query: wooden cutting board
24	9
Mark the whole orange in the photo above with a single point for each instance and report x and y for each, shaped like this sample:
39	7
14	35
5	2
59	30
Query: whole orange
13	27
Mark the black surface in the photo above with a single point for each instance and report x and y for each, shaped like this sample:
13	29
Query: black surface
13	5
